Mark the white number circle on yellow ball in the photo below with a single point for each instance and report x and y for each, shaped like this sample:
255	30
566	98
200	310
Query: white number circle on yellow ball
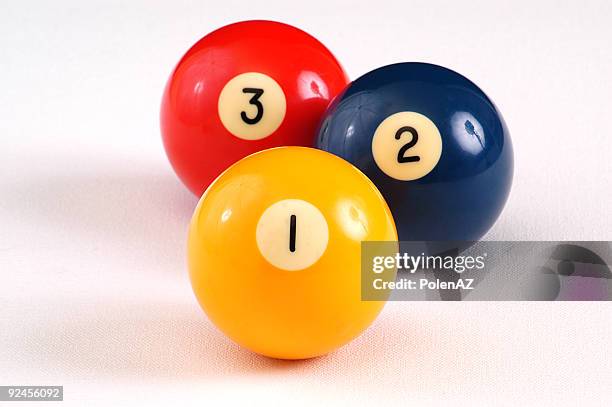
252	106
292	234
407	146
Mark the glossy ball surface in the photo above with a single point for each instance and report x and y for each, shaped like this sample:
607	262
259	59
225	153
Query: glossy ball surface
432	142
274	252
243	88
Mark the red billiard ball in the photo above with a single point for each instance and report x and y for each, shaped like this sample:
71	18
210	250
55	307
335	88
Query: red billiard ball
243	88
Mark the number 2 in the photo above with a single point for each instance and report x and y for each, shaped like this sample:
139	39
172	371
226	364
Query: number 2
401	158
257	92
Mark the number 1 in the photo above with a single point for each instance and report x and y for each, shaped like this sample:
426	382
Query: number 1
292	226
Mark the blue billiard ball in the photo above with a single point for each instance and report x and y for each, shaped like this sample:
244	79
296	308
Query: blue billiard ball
434	144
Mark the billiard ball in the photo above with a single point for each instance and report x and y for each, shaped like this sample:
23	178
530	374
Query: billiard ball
274	253
432	142
243	88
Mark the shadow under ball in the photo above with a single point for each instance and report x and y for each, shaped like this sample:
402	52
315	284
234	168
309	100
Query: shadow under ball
433	143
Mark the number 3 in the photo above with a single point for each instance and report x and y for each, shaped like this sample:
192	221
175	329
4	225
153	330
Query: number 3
401	158
257	92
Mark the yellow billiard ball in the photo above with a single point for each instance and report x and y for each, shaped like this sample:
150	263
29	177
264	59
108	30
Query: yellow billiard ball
274	251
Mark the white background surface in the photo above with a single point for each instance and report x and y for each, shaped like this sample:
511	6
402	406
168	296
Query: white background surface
94	292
